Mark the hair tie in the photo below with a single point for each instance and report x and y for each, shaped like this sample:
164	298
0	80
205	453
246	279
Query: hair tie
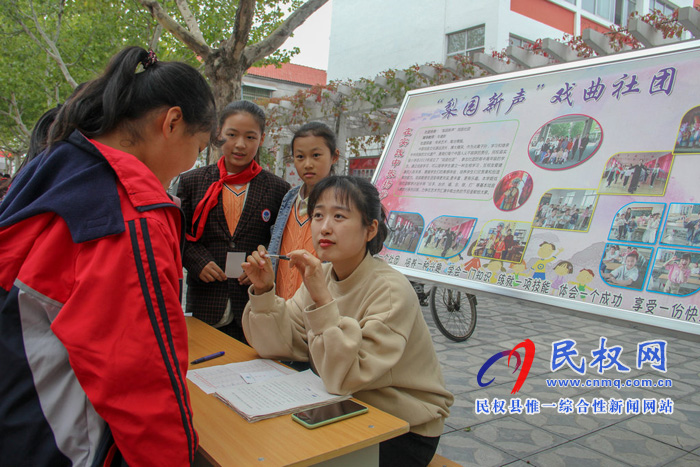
150	60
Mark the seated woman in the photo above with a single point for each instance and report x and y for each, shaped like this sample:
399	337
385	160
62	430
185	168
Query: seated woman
355	318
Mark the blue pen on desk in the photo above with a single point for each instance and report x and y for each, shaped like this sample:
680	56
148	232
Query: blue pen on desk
207	358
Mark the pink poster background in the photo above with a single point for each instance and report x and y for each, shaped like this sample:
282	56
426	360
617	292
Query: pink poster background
454	148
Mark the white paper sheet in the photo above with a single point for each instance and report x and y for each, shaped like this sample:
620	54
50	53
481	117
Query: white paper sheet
213	378
278	396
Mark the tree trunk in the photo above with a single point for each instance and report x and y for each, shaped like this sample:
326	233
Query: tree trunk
225	66
224	75
225	80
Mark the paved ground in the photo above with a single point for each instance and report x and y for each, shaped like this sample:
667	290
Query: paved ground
550	438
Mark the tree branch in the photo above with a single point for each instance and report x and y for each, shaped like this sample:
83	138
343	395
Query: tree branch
49	46
153	43
173	27
190	20
60	20
14	113
241	30
275	40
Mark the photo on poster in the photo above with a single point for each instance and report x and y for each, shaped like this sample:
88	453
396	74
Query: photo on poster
470	261
565	209
503	240
405	229
688	141
637	222
446	236
682	225
565	142
625	265
636	173
675	272
513	190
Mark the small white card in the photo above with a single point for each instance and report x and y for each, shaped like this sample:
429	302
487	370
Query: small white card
233	264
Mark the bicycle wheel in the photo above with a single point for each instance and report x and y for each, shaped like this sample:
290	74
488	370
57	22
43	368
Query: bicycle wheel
454	312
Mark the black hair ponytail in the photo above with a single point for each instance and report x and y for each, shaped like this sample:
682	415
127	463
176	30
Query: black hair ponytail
133	84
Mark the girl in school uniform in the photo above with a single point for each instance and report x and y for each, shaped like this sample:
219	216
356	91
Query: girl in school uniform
229	208
355	318
314	153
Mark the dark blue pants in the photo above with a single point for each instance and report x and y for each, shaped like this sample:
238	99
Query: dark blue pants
409	450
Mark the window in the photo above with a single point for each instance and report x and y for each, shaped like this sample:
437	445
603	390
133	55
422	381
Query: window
667	8
589	200
623	10
617	11
250	93
602	8
519	42
467	42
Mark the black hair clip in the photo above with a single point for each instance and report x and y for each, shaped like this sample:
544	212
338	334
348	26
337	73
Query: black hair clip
147	62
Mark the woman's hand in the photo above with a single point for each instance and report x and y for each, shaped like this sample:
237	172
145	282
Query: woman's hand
212	272
243	279
310	268
258	271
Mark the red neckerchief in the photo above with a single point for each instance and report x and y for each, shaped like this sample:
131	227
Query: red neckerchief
211	197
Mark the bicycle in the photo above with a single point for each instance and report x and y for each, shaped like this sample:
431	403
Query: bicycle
454	312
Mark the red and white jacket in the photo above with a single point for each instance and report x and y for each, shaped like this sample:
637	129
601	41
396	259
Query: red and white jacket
93	341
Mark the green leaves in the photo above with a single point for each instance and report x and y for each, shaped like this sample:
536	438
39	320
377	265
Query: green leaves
51	45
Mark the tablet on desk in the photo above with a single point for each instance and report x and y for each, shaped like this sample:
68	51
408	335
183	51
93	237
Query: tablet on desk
319	416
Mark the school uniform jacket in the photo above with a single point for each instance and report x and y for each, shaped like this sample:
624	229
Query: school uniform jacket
207	301
92	334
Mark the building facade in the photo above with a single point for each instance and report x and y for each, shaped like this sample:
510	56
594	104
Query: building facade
369	36
286	80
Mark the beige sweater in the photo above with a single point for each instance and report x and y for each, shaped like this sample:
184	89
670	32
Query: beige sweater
370	341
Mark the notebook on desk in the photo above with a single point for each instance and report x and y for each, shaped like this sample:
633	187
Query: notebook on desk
278	396
262	388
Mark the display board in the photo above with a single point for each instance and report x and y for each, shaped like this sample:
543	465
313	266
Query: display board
572	184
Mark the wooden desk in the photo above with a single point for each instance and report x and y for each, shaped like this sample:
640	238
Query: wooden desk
227	439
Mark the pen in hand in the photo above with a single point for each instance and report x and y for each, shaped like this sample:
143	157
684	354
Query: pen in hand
268	255
207	358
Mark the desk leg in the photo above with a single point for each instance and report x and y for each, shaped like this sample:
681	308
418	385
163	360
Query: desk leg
367	457
201	461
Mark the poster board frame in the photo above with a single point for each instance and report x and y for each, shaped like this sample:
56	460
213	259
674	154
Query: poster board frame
668	53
